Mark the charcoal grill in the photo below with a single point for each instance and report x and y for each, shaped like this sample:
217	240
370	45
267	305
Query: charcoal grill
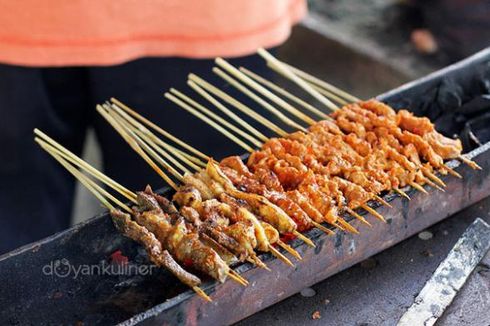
30	294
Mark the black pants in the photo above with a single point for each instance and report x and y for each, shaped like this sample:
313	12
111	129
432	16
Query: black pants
36	193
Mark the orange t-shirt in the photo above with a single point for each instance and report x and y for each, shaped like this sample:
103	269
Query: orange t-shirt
104	32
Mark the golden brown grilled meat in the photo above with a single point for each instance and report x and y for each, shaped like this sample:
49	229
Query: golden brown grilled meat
184	245
156	253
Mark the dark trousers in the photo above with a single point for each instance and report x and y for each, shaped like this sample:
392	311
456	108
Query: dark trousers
36	193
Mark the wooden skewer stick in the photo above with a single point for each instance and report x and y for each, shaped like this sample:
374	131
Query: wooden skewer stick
322	228
262	90
452	172
358	216
225	110
401	193
188	159
277	254
284	93
79	176
256	261
471	164
418	187
323	84
244	280
236	278
147	147
213	115
72	158
86	181
134	127
432	184
97	191
373	212
382	201
266	105
135	146
158	129
289	249
237	104
433	177
300	82
201	293
347	226
304	239
208	121
329	94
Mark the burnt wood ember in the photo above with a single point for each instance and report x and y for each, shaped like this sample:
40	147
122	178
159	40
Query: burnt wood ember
41	285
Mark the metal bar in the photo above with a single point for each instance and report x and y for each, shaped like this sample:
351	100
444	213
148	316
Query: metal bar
449	277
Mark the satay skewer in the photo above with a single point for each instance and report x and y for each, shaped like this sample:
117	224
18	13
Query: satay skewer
284	93
158	129
266	105
100	194
147	146
343	224
300	82
296	74
262	90
177	154
236	104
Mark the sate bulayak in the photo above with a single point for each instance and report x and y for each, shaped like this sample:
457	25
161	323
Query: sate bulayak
231	210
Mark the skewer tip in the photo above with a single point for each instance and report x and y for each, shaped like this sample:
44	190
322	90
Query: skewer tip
304	239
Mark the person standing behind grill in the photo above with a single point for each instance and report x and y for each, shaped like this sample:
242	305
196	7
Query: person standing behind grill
58	59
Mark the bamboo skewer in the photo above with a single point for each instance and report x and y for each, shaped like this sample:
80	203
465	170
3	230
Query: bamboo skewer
86	181
284	93
135	146
470	163
146	146
253	259
226	111
382	201
244	280
452	172
201	293
289	249
432	184
402	193
97	191
277	254
213	115
237	277
357	216
158	129
322	228
208	121
329	94
237	104
258	99
346	226
304	239
276	64
190	160
418	187
262	90
373	212
293	74
322	84
87	167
